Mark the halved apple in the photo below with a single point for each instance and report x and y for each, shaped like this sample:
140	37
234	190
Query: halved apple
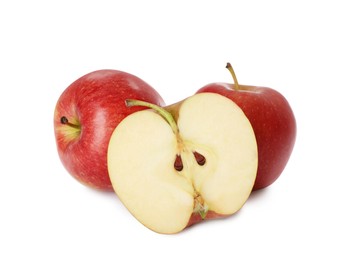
175	166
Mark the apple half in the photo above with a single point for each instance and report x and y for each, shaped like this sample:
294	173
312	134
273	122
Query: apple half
175	166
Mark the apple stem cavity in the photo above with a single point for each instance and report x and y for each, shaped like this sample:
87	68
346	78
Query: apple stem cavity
165	114
65	121
236	83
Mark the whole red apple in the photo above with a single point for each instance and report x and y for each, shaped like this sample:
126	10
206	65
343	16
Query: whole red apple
85	116
273	123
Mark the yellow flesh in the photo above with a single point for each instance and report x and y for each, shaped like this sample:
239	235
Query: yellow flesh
225	137
142	153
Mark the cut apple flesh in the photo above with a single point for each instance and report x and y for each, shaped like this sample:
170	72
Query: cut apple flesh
208	165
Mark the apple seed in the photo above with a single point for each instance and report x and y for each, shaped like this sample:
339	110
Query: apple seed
178	165
200	159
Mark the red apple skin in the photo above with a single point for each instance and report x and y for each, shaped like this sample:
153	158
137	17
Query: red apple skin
273	123
96	102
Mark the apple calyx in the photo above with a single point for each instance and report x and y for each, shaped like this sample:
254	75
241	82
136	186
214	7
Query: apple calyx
65	121
199	204
236	83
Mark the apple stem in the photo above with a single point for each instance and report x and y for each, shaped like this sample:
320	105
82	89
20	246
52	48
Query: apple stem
65	121
236	83
165	114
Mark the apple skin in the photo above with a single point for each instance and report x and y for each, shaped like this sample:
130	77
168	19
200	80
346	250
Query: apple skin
273	123
96	104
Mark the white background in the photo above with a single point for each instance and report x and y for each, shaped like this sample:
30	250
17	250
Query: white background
296	47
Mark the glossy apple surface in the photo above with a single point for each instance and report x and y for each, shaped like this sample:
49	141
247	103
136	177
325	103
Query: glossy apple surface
273	122
85	116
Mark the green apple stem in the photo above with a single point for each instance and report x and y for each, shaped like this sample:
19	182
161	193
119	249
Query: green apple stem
65	121
236	83
165	114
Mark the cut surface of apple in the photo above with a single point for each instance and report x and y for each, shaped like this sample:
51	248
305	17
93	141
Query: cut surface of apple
196	157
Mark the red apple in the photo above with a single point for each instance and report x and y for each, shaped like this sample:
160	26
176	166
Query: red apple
85	116
273	123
